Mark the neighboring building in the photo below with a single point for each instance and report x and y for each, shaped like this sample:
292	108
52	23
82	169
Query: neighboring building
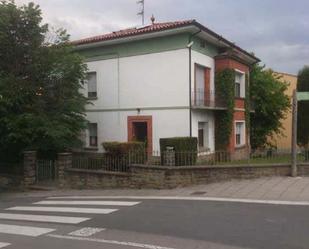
159	81
284	142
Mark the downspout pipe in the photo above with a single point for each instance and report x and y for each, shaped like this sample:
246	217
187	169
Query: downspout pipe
189	46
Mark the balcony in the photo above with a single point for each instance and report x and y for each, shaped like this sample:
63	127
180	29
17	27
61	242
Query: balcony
202	99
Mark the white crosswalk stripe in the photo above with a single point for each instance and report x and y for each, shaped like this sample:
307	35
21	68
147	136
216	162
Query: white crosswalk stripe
4	244
43	218
33	213
99	203
24	230
64	209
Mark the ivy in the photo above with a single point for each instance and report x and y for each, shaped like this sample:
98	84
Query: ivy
247	103
225	89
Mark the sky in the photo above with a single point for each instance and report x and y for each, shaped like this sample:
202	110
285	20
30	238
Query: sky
277	31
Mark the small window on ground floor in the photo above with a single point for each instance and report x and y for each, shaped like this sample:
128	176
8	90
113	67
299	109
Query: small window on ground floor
93	134
203	135
240	133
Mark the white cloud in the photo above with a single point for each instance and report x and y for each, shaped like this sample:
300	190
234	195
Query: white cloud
275	30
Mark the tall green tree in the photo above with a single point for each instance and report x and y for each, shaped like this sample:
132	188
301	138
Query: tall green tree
267	92
41	106
303	109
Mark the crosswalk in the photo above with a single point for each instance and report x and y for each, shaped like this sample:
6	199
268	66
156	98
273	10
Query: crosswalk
39	212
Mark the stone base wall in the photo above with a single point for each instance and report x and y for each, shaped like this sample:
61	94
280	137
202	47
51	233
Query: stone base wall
161	177
172	177
95	179
10	181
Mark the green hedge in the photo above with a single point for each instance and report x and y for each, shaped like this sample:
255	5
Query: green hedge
185	149
128	152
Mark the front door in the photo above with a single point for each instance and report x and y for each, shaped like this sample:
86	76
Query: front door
140	129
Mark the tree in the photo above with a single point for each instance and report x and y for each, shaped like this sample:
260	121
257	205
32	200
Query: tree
41	106
267	92
303	109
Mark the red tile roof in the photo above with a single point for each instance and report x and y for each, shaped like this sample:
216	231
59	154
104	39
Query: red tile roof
156	27
134	31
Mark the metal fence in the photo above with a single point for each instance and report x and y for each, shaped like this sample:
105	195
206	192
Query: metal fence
46	170
202	98
101	161
241	156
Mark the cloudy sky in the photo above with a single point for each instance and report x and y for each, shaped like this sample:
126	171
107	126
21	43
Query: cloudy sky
277	31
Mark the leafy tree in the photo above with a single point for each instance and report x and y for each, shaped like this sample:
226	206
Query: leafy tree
267	91
303	109
41	106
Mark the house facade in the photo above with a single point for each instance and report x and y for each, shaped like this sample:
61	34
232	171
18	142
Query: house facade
158	81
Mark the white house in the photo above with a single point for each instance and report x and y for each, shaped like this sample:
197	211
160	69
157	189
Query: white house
158	81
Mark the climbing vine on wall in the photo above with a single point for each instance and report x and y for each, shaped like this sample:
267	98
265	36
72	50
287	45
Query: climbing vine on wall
225	89
247	103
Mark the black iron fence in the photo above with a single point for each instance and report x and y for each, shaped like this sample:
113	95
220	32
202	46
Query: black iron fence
102	161
202	98
241	156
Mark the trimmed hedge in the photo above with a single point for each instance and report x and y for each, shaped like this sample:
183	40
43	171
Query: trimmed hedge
185	149
117	148
128	152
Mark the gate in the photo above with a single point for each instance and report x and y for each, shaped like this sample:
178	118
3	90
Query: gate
46	170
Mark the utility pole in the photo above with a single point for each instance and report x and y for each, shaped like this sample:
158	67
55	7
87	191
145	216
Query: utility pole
294	135
142	11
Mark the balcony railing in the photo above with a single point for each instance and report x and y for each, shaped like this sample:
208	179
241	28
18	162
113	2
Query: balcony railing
202	98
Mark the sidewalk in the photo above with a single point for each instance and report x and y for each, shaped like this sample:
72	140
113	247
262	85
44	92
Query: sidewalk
270	188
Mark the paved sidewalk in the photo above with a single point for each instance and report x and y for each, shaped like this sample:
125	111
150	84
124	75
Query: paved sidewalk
270	188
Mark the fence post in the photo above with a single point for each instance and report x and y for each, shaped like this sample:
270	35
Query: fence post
64	161
294	136
29	168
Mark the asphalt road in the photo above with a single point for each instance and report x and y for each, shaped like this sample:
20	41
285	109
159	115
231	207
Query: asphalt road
81	223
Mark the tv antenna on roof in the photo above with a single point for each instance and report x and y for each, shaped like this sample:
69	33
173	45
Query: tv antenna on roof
142	11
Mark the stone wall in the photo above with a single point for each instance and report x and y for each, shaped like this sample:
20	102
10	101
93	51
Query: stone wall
8	181
95	179
171	177
164	177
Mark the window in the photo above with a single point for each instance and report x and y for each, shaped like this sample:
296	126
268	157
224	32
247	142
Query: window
203	135
200	138
240	133
93	134
202	85
92	84
238	81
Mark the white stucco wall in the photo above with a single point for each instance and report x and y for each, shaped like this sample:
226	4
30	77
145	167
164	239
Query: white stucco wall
157	82
204	116
150	80
112	126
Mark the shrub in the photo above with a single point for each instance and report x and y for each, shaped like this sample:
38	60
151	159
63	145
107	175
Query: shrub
127	152
185	149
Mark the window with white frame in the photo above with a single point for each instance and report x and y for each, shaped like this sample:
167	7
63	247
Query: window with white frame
93	134
92	84
239	85
240	133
